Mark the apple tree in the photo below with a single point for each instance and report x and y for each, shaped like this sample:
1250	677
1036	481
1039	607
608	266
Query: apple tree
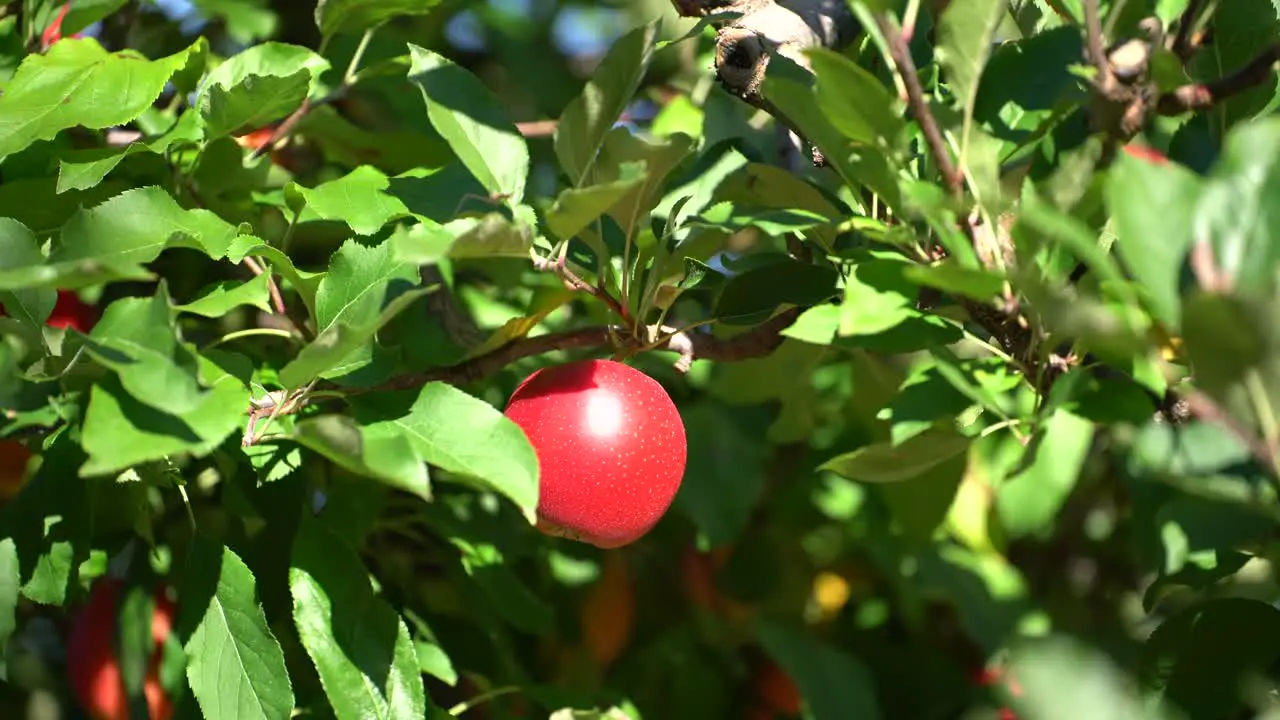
835	359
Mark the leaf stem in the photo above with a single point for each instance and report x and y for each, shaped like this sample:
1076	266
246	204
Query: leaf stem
186	503
349	77
250	332
466	705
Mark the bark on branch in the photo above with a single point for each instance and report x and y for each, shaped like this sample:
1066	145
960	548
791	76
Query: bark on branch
757	342
1201	96
753	31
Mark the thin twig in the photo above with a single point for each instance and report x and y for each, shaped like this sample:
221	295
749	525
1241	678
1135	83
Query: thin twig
1095	44
901	54
574	282
1200	96
277	300
348	79
1182	46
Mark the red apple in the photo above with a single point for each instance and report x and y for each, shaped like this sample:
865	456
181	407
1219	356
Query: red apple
611	449
93	661
14	457
71	311
1145	152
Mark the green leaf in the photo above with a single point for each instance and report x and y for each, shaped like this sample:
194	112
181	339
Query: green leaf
731	218
120	431
115	238
1029	501
1154	209
1237	211
268	59
515	602
885	462
218	299
1234	347
966	32
78	83
84	169
255	102
50	523
661	156
257	86
364	289
877	297
1198	658
10	590
586	121
304	282
359	644
855	101
357	198
470	119
356	16
343	347
462	435
235	666
769	186
789	86
950	276
388	457
137	339
724	479
751	296
1062	678
576	208
834	684
20	248
84	13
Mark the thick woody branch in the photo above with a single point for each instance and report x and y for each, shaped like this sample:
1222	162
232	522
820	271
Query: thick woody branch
1201	96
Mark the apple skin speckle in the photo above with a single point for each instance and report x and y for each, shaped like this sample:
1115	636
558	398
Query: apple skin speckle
611	449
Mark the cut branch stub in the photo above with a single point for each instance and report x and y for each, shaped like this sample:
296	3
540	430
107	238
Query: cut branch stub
755	30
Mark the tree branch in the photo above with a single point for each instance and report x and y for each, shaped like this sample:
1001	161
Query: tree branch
1200	96
1183	43
901	54
751	32
757	342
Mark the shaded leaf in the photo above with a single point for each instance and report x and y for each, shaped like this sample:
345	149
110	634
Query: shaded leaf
119	235
834	684
355	16
1237	212
581	131
120	431
470	119
358	642
385	456
885	462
